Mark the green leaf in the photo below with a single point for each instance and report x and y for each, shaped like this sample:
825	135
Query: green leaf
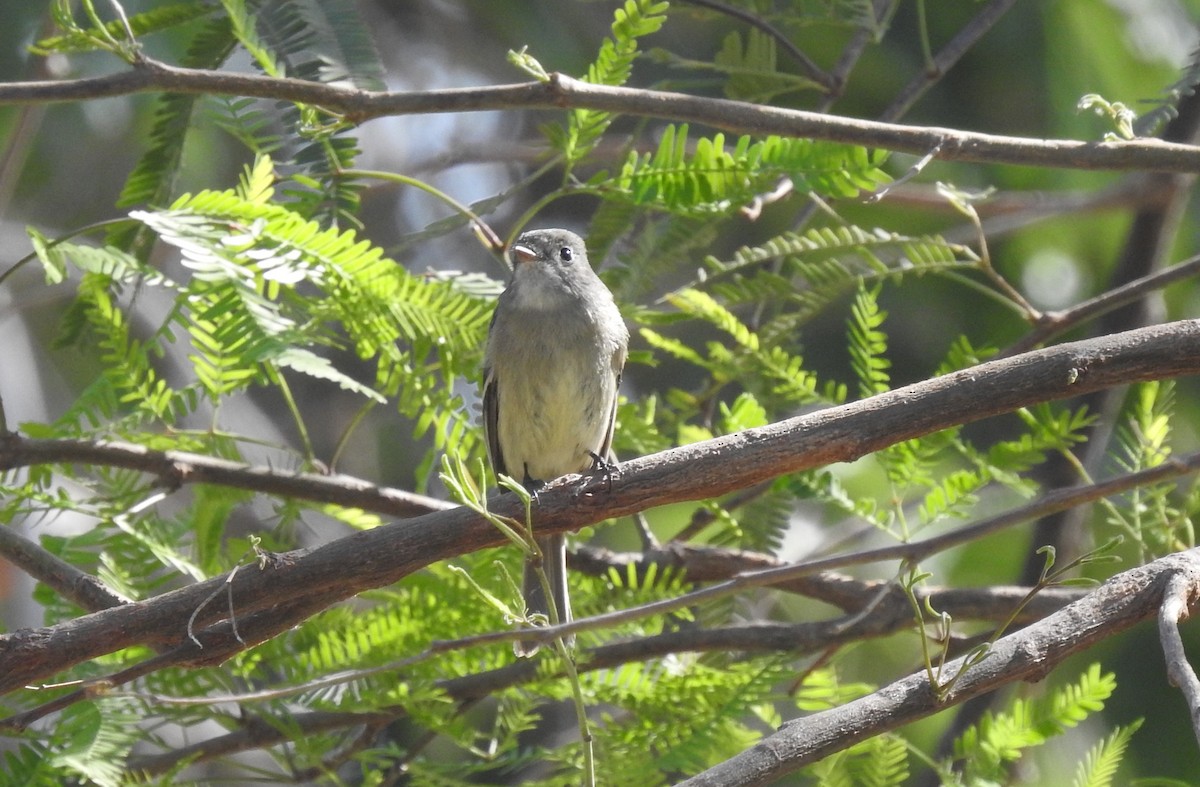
749	66
242	18
613	66
868	344
708	179
154	20
152	180
1002	737
306	362
1099	766
97	743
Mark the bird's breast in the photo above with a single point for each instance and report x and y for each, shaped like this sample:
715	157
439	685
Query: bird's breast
556	390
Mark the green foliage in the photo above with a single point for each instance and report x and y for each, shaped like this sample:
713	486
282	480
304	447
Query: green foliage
323	41
154	20
705	178
1153	516
245	27
263	290
95	743
27	764
803	272
711	731
749	65
151	181
327	42
987	749
868	344
731	259
776	375
879	762
1099	765
248	258
613	66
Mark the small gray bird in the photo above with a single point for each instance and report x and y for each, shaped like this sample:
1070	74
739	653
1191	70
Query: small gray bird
555	351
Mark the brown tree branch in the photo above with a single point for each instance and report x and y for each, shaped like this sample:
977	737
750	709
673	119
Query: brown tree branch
76	586
890	617
254	733
304	581
886	604
1056	323
174	468
1029	654
717	564
1180	593
563	92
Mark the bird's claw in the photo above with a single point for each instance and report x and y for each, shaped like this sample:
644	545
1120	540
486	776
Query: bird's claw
602	465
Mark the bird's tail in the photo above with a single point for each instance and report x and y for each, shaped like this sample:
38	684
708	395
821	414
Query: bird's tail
554	561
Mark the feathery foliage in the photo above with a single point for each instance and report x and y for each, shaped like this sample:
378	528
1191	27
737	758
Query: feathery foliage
705	178
152	181
749	65
988	748
1099	765
613	66
762	276
77	38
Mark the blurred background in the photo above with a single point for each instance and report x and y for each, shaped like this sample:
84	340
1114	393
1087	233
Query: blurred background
1057	235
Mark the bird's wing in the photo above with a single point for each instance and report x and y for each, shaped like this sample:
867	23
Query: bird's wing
491	426
618	364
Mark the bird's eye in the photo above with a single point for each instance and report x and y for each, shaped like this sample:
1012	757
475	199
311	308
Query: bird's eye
565	254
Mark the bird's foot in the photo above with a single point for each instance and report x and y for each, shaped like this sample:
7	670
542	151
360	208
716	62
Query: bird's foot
602	465
533	486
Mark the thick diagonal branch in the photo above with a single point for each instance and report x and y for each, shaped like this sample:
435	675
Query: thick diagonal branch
364	560
1029	654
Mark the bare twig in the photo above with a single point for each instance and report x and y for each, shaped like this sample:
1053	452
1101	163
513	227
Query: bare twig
718	564
253	733
807	66
564	92
1056	323
179	467
74	585
1030	654
950	54
1181	589
863	36
796	639
298	584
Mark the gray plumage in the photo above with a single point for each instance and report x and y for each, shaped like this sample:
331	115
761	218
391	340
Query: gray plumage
555	351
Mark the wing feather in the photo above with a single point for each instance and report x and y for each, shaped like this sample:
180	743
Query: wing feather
491	425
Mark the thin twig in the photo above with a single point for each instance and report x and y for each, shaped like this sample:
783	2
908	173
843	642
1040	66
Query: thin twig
1029	654
563	92
76	586
1180	589
1056	323
950	54
810	69
854	49
180	467
300	583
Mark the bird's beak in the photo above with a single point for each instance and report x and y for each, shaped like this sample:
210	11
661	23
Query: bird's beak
521	254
